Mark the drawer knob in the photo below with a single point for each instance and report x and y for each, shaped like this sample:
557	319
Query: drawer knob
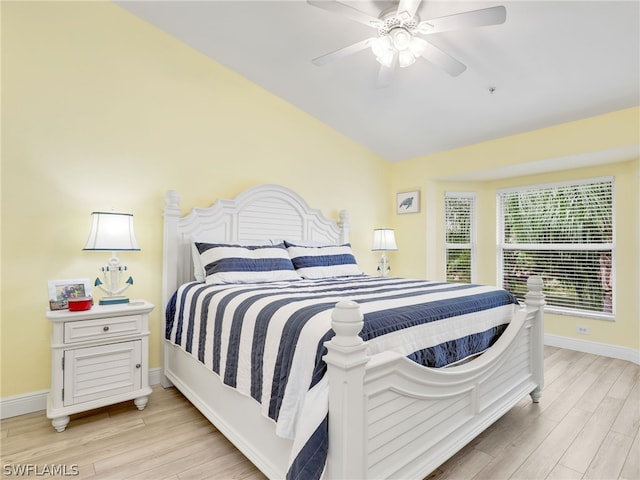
138	365
105	328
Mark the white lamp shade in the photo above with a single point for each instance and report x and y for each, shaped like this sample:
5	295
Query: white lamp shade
405	58
384	239
111	231
418	46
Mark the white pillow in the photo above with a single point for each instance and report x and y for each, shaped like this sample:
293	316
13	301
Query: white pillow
323	262
225	263
198	268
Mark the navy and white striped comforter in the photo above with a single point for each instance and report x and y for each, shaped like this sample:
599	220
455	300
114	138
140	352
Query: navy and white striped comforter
266	340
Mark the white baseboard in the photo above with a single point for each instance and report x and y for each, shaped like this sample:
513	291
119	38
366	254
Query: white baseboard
603	349
23	404
36	401
155	375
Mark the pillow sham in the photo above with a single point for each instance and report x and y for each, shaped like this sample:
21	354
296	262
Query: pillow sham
324	261
225	263
198	267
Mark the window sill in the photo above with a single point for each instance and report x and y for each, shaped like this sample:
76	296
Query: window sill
608	317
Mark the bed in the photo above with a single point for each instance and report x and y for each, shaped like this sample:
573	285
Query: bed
362	405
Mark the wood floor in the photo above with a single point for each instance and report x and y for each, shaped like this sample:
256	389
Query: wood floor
586	426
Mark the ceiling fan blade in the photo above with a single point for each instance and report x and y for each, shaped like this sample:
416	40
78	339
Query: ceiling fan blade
341	53
473	18
443	60
407	9
386	74
346	11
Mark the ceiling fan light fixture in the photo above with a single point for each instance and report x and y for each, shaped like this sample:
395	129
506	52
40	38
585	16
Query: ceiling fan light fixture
417	46
400	42
381	45
401	38
406	58
387	58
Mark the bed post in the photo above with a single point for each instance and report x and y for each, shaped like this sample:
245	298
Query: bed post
170	254
343	223
346	360
534	299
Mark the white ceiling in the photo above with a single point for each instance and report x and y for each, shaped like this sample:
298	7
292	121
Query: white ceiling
550	63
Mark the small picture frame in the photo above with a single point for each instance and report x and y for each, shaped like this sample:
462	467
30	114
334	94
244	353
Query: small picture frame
408	202
60	291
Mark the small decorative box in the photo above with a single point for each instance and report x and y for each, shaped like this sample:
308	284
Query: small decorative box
78	304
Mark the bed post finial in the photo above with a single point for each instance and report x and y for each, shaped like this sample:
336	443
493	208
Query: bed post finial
346	361
347	321
535	284
172	199
343	223
535	299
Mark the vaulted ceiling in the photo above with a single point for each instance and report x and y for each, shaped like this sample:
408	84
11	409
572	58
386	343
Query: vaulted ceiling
550	62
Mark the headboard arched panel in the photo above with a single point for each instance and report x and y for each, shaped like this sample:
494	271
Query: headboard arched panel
264	212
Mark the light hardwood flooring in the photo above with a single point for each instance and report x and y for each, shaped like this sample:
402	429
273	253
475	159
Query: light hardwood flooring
586	426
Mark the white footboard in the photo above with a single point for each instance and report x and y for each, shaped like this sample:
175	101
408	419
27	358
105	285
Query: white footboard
390	417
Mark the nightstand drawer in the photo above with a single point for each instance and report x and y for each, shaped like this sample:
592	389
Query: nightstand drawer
102	328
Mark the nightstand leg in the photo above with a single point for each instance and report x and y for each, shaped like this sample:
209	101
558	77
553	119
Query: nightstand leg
536	394
141	402
60	423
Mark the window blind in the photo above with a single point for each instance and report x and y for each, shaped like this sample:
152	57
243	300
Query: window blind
459	236
564	233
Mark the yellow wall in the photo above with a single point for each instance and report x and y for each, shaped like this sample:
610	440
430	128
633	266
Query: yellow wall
611	132
102	111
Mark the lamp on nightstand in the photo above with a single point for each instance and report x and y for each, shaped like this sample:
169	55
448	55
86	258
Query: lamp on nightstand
111	231
384	240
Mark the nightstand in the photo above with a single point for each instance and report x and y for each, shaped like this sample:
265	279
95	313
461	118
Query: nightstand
98	357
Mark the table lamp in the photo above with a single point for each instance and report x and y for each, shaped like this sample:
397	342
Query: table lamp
384	239
111	231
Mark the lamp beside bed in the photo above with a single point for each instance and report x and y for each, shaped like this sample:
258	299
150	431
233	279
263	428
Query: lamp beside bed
384	240
113	232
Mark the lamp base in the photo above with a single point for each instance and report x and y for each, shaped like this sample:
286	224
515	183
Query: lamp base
113	300
383	266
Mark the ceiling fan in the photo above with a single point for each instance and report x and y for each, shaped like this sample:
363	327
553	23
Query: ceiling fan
398	41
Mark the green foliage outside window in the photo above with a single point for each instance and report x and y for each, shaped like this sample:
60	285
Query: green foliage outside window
459	265
459	217
563	234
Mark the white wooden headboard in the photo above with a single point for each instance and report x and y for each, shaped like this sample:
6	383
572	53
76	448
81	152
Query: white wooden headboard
259	213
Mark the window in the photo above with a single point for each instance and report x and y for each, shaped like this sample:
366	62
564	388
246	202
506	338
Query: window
460	236
564	233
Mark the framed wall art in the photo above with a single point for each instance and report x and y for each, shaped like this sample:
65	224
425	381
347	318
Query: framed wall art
60	291
408	202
